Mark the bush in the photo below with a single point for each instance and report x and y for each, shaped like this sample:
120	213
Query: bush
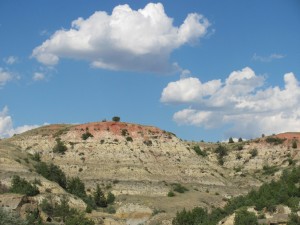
7	218
36	157
52	172
294	144
111	210
116	119
275	140
179	188
86	135
253	152
59	147
230	140
99	197
129	139
243	217
199	151
171	194
21	186
76	187
110	198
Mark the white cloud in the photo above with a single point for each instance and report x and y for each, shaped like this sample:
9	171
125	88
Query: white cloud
6	125
267	58
11	60
127	39
37	76
5	76
241	102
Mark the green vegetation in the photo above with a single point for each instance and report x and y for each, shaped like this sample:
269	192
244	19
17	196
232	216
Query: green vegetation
171	194
99	198
36	157
21	186
253	152
285	191
129	139
52	172
59	147
243	217
199	151
64	212
294	144
86	135
269	170
221	151
76	187
7	218
116	119
230	141
110	198
274	140
179	188
240	140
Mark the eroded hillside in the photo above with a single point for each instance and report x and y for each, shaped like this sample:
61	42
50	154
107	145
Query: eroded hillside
140	165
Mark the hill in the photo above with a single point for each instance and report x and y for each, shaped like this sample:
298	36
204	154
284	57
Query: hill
141	165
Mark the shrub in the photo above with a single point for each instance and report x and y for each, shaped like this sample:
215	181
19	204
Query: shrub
230	140
36	157
21	186
52	172
179	188
199	151
59	147
110	198
171	194
253	152
129	139
274	140
76	187
294	144
124	132
221	151
116	119
99	197
7	218
86	135
148	142
269	170
243	217
111	210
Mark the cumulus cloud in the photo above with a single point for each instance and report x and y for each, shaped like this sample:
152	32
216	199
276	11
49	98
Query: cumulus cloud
5	76
241	102
37	76
6	125
267	58
134	40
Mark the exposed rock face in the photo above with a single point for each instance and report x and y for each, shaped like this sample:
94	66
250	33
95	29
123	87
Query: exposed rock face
139	164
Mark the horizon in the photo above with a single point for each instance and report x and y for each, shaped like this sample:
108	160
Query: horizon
190	68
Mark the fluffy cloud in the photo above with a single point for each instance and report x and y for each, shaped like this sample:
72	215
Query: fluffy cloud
6	125
267	58
38	76
241	101
127	39
5	76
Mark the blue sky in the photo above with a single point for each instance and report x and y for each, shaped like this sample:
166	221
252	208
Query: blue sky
205	70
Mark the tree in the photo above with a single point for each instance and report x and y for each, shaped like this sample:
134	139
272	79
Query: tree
76	187
110	198
230	140
21	186
243	217
99	197
59	147
52	172
116	119
240	140
294	144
